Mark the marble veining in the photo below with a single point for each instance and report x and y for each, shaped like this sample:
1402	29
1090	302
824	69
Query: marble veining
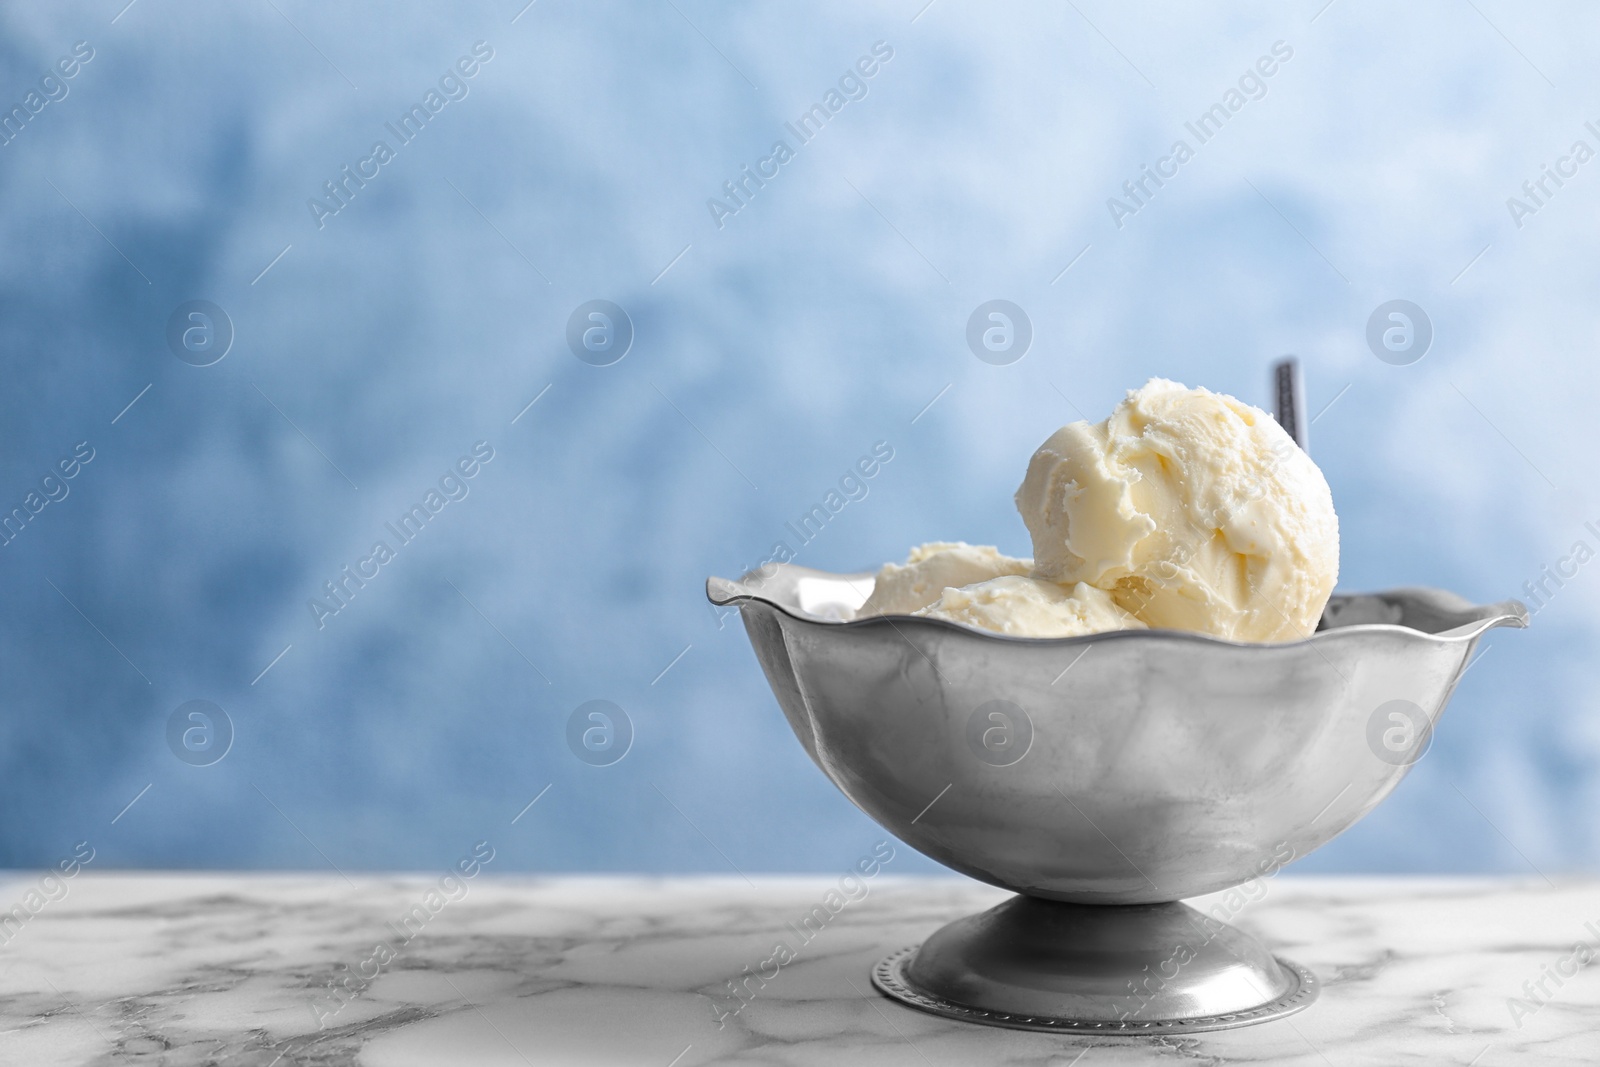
247	969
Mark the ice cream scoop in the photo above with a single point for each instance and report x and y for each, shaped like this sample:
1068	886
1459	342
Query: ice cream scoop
1194	510
930	569
1031	607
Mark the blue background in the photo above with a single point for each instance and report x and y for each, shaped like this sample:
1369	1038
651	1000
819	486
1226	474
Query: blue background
770	353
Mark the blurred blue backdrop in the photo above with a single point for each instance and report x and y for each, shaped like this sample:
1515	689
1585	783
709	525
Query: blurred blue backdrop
378	338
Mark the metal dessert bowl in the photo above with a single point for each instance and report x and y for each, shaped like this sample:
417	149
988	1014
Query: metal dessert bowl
1104	779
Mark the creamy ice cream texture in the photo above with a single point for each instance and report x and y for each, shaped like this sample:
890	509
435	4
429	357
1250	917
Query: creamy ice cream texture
902	589
1032	607
1195	511
1185	509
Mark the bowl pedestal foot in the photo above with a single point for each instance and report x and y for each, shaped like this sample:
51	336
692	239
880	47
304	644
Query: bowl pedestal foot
1035	964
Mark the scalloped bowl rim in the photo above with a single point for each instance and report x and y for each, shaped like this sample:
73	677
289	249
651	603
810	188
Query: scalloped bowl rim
1501	613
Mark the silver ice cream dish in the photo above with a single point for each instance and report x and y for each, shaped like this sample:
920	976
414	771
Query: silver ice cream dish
1104	779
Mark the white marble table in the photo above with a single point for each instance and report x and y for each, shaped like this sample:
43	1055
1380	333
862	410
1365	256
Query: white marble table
238	969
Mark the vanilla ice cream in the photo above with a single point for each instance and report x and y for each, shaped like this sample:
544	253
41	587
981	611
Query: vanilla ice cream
1193	510
1031	607
932	568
